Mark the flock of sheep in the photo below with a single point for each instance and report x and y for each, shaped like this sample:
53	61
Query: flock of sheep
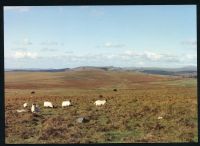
35	107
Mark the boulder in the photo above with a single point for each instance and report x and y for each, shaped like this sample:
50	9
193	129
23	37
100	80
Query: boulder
82	120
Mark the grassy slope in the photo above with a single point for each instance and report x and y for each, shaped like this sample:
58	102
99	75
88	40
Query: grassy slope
130	114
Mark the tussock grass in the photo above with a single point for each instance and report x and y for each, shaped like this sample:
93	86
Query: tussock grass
130	114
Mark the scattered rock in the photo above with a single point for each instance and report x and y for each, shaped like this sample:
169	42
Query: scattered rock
159	127
82	120
33	92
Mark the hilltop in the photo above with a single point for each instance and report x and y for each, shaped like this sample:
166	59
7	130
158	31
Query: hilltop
187	71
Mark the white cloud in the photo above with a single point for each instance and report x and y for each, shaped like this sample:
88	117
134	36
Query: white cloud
51	43
170	58
128	56
141	63
140	58
112	45
17	8
110	56
191	56
129	52
19	49
68	52
149	56
132	53
152	56
190	43
24	43
25	54
107	44
49	49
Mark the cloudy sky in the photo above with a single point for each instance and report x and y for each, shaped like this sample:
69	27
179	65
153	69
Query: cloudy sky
122	36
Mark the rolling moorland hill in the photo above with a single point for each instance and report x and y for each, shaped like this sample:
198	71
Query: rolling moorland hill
81	79
187	71
130	114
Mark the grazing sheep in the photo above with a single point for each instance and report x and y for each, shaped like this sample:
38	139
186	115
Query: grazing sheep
34	108
22	110
25	105
66	103
159	118
48	104
100	102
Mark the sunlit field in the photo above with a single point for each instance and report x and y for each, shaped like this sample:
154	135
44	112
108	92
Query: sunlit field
131	113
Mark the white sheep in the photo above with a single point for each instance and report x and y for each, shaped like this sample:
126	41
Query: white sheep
35	108
48	104
25	105
159	118
100	102
22	110
66	103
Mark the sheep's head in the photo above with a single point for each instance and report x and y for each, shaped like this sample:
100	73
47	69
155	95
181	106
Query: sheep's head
54	106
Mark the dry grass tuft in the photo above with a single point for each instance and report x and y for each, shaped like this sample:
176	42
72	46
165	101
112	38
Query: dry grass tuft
129	115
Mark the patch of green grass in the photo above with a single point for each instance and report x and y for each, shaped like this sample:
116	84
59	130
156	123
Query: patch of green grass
184	82
195	139
118	136
103	119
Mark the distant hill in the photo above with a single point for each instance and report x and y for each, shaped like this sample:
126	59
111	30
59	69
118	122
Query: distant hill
161	72
187	71
38	70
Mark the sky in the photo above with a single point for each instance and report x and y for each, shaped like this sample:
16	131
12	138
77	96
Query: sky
121	36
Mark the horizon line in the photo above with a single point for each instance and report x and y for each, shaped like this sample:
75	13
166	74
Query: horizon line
98	67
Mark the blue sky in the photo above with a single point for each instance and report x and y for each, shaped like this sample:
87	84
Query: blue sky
123	36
